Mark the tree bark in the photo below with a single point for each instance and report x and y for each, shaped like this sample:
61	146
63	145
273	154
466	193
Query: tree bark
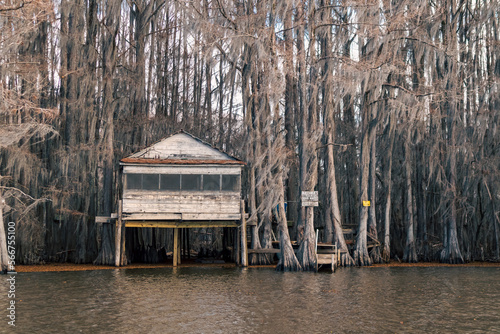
386	251
288	261
106	253
410	253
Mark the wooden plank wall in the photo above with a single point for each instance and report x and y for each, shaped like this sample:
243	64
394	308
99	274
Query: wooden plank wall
191	205
181	146
185	205
180	169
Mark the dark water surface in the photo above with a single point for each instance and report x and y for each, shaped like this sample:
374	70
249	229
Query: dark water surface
256	300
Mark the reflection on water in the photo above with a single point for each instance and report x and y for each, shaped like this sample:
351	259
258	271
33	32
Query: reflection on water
232	300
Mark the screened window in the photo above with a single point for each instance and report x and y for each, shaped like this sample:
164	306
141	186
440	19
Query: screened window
134	181
230	182
186	182
150	181
211	182
170	182
191	182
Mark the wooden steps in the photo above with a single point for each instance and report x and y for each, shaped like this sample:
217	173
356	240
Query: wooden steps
330	259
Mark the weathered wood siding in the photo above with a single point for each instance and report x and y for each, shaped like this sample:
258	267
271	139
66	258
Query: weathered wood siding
183	205
181	146
140	204
162	169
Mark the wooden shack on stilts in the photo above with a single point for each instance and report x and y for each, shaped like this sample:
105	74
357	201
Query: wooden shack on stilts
180	183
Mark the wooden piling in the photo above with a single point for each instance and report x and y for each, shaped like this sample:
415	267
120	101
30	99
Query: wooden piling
188	244
237	248
179	245
123	256
244	250
176	246
118	235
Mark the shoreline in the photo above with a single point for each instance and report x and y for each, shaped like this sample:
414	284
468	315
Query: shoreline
55	267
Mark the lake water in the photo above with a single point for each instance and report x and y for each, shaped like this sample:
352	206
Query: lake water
258	300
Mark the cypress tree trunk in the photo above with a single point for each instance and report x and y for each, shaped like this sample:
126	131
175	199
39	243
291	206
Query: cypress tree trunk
372	215
386	251
288	261
361	256
338	234
410	254
112	23
451	252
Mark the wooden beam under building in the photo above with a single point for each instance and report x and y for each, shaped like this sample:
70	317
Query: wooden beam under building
181	224
176	246
244	246
118	235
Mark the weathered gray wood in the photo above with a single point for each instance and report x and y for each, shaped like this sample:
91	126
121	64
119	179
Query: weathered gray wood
183	224
210	216
176	245
106	219
182	169
244	246
191	205
181	146
118	235
238	243
181	217
102	219
325	258
181	196
152	216
309	198
179	235
264	251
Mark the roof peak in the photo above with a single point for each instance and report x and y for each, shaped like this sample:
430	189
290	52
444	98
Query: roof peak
181	148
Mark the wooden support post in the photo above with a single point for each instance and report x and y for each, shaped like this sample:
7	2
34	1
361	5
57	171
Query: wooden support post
118	235
244	250
338	253
181	242
184	243
179	249
176	246
188	245
123	256
237	247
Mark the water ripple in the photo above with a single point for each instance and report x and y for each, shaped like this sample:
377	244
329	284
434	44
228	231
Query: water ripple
232	300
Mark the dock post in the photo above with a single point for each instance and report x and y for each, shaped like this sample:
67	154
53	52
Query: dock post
176	246
123	254
118	235
338	253
237	246
244	246
179	247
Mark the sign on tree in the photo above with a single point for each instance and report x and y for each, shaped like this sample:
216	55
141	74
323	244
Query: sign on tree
309	198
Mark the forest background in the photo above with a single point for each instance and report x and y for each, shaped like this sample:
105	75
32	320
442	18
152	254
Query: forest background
392	102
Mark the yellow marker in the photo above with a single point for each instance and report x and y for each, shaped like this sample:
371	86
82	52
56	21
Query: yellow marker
366	203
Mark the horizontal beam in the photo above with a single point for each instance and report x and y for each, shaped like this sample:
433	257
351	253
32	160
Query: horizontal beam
183	224
181	217
151	216
106	219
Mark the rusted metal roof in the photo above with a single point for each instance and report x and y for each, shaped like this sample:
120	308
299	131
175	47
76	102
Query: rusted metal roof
181	162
